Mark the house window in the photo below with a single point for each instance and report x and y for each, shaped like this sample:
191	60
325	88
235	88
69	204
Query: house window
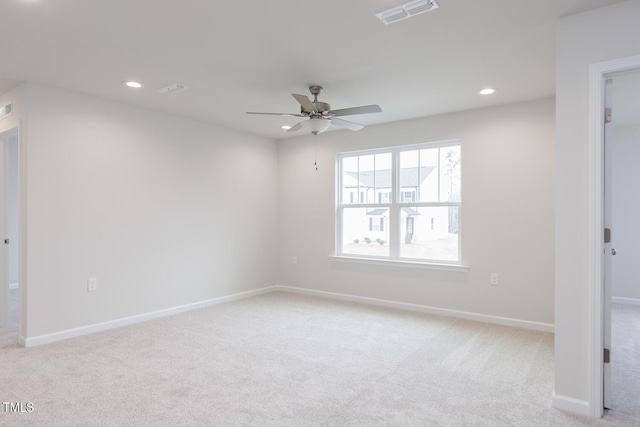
384	197
407	196
376	224
412	206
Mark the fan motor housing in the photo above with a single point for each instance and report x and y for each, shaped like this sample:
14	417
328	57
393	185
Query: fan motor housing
322	106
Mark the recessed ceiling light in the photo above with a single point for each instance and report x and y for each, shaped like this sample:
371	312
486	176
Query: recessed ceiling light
487	91
132	84
285	127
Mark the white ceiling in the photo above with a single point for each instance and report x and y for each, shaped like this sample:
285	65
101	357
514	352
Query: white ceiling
250	55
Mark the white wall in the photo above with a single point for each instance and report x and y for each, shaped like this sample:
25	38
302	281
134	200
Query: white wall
626	210
507	219
602	34
163	211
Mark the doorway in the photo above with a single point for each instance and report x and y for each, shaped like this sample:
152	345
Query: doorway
622	209
10	238
600	253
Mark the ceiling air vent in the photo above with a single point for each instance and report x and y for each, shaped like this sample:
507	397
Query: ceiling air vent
176	87
406	10
393	15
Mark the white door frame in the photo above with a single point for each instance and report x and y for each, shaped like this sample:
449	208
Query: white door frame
8	126
4	274
597	74
7	164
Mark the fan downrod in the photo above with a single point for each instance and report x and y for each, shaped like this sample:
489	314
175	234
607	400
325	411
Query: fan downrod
322	108
315	91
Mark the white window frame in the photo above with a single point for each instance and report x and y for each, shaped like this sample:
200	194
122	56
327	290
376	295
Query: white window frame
394	207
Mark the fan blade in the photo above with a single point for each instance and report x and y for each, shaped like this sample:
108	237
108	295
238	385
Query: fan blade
357	110
306	103
278	114
345	124
296	127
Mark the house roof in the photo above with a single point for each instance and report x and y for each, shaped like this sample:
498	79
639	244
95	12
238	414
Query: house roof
382	211
409	177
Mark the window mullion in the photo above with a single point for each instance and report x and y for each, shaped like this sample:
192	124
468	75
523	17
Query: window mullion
428	204
338	207
394	214
439	174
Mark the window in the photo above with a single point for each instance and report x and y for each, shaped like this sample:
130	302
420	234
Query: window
409	204
376	224
384	197
407	196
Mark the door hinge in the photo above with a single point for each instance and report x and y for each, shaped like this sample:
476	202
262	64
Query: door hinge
607	115
607	355
607	235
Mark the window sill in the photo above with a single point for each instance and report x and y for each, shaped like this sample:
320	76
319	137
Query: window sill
398	263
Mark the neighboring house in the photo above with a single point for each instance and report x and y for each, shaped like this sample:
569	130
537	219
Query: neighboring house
374	187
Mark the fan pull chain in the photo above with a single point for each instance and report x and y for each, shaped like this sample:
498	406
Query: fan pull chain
315	163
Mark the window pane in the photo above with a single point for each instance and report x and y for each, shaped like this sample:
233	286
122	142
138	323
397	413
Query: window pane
350	187
366	165
383	178
450	174
366	179
365	231
419	176
429	233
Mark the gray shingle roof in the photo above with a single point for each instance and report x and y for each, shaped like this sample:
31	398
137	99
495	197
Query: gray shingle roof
380	211
409	177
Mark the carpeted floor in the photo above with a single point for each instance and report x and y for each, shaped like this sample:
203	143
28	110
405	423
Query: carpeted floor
8	337
288	360
625	359
13	306
9	333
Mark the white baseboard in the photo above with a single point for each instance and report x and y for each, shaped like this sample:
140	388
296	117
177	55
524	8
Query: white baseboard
628	301
505	321
13	286
104	326
112	324
572	405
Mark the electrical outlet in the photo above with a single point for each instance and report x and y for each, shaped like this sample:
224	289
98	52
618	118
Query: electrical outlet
495	279
294	260
92	284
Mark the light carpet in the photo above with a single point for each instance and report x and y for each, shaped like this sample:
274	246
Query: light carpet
8	337
281	359
9	333
625	359
13	306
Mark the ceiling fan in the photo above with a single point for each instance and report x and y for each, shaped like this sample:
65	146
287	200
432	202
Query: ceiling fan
320	114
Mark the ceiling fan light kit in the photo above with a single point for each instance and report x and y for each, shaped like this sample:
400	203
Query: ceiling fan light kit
406	10
316	125
320	115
